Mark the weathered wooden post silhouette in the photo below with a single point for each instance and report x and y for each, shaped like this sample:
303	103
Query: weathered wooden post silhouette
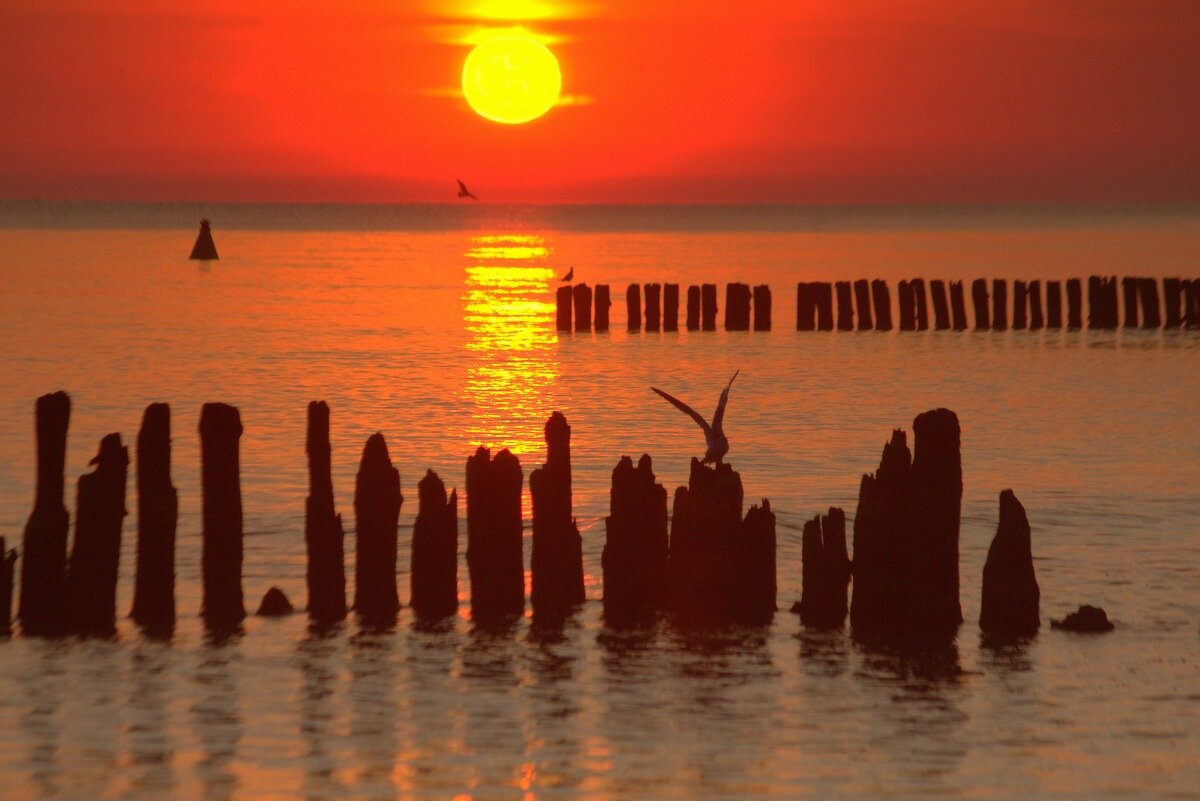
44	545
563	302
221	514
922	311
633	307
1074	303
906	534
1191	316
96	552
825	571
636	542
845	308
1129	289
557	559
762	308
377	501
582	295
158	516
8	563
979	296
882	300
708	307
1021	299
324	536
1010	590
941	308
908	306
434	568
1102	302
958	306
806	307
603	302
495	561
862	304
999	304
1173	302
670	320
823	296
653	294
737	307
1148	295
693	308
1054	316
1036	320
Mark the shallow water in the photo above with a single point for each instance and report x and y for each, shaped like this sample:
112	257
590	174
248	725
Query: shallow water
443	339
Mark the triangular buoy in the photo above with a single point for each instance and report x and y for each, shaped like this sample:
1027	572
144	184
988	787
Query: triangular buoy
205	249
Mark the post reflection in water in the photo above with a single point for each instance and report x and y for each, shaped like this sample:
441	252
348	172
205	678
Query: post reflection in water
514	365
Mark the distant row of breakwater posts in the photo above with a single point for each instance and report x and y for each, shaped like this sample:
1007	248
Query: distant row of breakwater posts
867	305
707	562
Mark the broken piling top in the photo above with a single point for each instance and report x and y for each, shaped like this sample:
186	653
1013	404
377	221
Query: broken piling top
158	515
324	537
92	572
377	501
434	563
44	544
221	515
826	571
204	249
1011	598
495	557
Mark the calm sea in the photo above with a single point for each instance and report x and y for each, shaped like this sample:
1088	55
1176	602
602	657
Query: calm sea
434	325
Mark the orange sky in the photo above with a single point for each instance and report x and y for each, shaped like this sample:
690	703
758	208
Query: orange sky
766	101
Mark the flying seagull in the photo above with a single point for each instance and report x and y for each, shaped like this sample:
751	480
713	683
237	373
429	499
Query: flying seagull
570	274
714	435
463	191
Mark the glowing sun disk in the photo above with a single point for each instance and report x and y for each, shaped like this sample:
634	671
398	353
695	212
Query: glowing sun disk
511	79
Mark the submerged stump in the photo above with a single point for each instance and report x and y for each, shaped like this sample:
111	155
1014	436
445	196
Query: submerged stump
653	294
557	559
603	302
434	568
221	515
158	517
862	304
670	317
582	296
1010	590
44	544
825	571
495	558
324	536
96	552
636	542
845	307
377	501
737	307
708	307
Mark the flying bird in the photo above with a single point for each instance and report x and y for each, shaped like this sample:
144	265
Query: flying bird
463	191
570	274
714	435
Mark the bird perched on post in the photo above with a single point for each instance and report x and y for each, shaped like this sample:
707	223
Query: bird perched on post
570	274
714	435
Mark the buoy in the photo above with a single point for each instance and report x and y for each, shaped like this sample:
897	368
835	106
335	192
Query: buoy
204	249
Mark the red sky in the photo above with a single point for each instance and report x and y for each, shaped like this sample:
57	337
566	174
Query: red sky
824	101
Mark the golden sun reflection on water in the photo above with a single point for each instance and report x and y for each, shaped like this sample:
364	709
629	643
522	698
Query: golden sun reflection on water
514	365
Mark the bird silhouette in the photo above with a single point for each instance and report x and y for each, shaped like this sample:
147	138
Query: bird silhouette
570	274
714	435
463	191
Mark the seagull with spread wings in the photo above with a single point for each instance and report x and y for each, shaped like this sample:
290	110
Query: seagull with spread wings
714	435
463	191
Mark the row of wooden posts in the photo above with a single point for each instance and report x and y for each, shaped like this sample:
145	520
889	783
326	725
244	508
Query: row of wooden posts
706	562
867	305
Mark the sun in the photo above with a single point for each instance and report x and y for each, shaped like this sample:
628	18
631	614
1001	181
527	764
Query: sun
511	79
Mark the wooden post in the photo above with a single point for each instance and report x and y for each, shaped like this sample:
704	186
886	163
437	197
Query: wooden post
434	564
557	560
324	537
999	304
1074	303
1054	317
158	516
1020	304
825	571
582	295
882	304
862	303
1129	288
670	320
737	307
1191	316
979	296
96	552
44	545
8	563
221	513
1010	590
958	306
562	301
1102	302
495	561
918	287
1036	321
653	307
941	309
633	307
1173	301
823	294
603	302
708	307
693	308
762	308
377	502
1148	292
908	307
806	308
845	308
636	542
